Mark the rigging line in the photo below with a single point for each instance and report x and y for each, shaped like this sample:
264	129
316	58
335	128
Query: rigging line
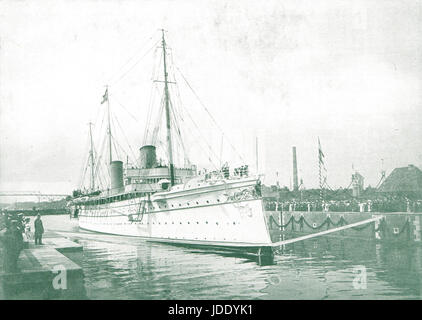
135	54
204	139
127	140
212	118
212	163
175	121
97	179
97	176
100	129
157	122
82	181
157	65
160	113
180	113
114	140
102	153
124	135
84	164
82	172
149	114
98	165
154	86
103	183
136	63
178	137
124	108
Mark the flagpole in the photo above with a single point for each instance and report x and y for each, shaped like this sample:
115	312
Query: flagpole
109	126
91	154
321	192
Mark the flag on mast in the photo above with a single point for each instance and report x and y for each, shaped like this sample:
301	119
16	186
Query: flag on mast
320	153
105	96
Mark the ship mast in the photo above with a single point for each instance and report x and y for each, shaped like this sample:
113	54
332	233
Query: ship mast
167	105
91	155
109	127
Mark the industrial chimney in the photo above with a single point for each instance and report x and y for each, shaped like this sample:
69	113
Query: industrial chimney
295	180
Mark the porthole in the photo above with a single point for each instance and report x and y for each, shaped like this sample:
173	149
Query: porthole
180	205
234	222
208	201
188	204
197	202
188	222
180	223
206	222
218	200
216	223
197	222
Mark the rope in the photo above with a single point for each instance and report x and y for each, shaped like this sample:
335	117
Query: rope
273	221
131	58
209	114
134	65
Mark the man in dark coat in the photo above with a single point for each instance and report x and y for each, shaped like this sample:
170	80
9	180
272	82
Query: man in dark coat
12	243
39	229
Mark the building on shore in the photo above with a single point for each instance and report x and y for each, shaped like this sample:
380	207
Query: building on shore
357	184
406	180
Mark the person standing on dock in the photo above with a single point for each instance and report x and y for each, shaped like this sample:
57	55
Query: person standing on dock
39	229
12	242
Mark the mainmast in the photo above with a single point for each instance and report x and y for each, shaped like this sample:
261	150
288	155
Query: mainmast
167	105
91	155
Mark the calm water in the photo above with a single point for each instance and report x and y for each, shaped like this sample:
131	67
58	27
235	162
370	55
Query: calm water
328	268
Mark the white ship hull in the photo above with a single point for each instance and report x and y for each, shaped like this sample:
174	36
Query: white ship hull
211	215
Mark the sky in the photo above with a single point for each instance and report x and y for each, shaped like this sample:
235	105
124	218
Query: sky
285	72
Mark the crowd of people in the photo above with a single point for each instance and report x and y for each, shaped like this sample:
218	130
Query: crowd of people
15	234
384	204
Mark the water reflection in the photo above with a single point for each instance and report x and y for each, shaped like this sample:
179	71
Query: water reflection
321	268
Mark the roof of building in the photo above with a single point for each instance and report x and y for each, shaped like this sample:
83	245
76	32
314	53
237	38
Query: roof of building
405	179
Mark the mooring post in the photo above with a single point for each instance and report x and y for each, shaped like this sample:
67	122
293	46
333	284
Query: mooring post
377	226
281	229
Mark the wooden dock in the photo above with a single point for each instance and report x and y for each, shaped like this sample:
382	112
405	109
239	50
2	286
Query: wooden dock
45	272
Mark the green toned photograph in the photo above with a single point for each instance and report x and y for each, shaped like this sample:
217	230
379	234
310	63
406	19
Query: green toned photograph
210	150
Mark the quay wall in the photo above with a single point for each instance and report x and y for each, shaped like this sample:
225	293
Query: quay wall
394	227
40	211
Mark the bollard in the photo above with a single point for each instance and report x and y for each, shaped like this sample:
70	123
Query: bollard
376	226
